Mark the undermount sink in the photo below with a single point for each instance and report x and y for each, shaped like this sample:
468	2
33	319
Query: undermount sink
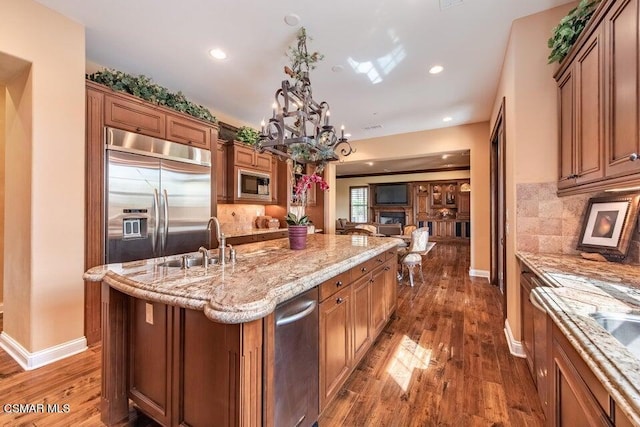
190	262
624	327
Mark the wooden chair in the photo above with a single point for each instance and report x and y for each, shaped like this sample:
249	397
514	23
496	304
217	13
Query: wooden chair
408	229
411	257
371	228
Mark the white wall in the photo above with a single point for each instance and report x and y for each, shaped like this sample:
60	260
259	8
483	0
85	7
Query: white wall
44	223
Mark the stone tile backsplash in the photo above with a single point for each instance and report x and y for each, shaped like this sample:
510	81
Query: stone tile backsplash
238	218
546	223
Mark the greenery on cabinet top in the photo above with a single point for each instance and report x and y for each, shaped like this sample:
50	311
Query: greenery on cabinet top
143	87
568	30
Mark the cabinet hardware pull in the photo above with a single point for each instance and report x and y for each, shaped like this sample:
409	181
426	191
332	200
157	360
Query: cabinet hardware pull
633	157
380	260
339	283
387	268
339	301
138	129
363	269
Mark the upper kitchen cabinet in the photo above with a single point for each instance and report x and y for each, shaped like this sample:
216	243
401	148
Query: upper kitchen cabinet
188	132
598	110
623	139
221	172
245	156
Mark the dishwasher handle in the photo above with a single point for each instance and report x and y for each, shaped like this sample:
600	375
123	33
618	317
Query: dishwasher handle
297	316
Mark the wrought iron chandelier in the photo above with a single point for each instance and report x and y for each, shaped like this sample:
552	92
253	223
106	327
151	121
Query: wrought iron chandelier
300	127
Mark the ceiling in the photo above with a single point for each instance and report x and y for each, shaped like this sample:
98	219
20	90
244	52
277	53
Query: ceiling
382	51
451	160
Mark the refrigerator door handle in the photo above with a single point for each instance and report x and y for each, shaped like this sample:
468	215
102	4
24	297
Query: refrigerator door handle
156	220
166	221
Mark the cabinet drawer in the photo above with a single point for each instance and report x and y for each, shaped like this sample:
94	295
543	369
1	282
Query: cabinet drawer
391	253
270	236
365	268
188	132
134	117
239	240
334	284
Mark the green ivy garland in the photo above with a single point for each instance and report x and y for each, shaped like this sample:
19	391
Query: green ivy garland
247	135
144	88
569	28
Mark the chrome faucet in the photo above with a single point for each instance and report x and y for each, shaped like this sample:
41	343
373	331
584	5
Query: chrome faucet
205	256
219	236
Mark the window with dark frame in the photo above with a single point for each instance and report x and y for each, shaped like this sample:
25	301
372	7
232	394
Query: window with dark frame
358	204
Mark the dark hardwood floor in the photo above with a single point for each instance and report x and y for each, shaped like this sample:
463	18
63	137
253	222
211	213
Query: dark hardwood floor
442	361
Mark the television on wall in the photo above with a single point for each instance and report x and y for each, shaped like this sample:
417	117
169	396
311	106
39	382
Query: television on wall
392	194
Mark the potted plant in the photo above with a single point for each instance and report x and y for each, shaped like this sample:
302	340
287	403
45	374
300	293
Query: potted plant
298	221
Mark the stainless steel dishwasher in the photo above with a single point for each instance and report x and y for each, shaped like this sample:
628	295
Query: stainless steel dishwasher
296	364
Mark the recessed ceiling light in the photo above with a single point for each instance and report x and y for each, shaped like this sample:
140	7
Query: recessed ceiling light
447	119
292	19
436	69
218	53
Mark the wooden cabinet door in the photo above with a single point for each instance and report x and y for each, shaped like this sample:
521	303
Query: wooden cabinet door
464	205
150	377
566	129
378	313
621	27
221	171
589	103
244	156
262	161
189	132
577	396
526	313
133	116
361	325
335	344
541	340
390	287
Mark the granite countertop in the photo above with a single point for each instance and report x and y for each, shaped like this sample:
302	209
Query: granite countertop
254	231
265	274
579	287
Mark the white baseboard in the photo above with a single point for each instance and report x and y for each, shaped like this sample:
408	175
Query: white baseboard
30	361
515	347
479	273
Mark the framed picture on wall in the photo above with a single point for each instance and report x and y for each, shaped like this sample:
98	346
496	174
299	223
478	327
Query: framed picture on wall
608	224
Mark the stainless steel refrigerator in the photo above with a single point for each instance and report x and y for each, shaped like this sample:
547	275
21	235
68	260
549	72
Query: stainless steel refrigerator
157	197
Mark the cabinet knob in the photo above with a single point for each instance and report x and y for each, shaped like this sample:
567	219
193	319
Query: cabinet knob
633	157
380	260
363	269
339	283
138	129
339	301
387	268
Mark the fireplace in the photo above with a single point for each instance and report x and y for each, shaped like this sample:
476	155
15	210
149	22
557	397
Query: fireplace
392	218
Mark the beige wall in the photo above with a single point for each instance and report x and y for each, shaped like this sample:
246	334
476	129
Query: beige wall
43	289
3	89
531	150
473	137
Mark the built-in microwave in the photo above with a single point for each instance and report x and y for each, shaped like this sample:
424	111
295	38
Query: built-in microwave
253	185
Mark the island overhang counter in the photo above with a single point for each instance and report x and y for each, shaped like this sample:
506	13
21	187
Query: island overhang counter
195	345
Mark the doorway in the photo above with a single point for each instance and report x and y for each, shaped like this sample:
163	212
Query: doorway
498	204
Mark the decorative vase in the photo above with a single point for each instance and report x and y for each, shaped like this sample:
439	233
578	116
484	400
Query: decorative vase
297	237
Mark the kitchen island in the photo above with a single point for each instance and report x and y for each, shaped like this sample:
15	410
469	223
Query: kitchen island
196	346
583	373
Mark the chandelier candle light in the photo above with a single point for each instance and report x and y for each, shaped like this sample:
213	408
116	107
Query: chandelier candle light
300	128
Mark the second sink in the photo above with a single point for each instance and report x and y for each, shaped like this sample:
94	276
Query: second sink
624	327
